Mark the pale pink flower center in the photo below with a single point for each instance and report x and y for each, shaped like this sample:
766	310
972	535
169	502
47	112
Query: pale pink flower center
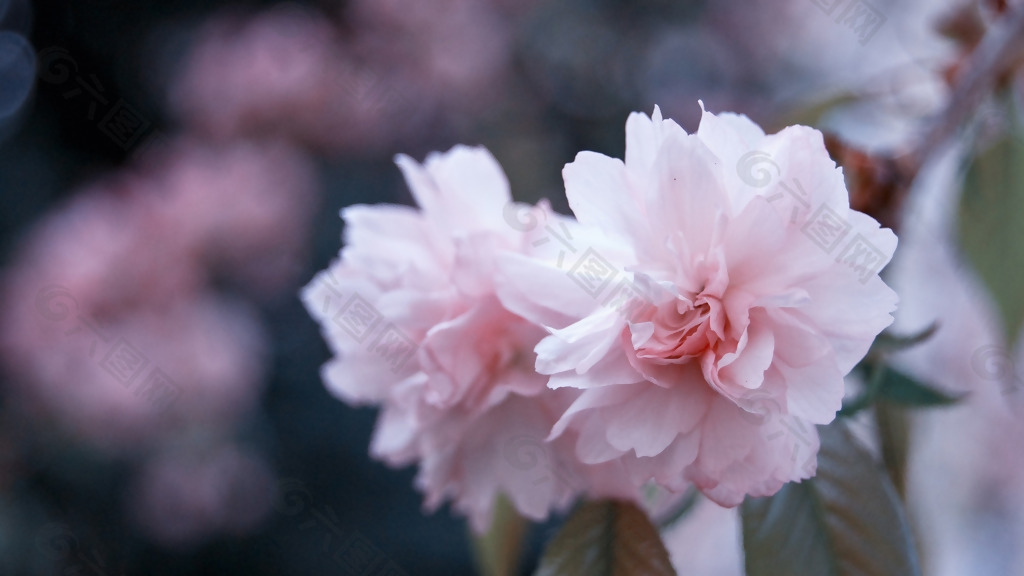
683	330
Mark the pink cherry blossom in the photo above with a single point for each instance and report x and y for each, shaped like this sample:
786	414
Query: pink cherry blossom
272	73
108	322
243	210
183	497
290	72
752	290
411	312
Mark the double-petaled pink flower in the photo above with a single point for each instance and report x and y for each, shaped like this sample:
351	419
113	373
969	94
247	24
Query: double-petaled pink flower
693	326
412	312
748	289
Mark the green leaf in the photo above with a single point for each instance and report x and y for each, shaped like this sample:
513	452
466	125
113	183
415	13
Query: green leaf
887	383
899	388
606	538
497	552
846	521
893	430
887	342
872	374
681	509
992	227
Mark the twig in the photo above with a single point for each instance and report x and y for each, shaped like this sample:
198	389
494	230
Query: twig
882	183
999	50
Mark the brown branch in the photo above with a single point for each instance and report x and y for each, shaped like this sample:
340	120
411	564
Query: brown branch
1000	50
880	184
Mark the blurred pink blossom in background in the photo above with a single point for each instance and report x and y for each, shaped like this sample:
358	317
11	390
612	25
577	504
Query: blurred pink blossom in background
273	74
126	382
116	286
118	332
181	498
289	72
243	210
458	60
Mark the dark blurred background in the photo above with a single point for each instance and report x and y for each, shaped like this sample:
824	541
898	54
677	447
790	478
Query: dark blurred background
121	110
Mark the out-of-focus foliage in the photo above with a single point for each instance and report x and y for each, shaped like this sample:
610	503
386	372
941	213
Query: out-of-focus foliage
846	521
498	552
992	224
606	538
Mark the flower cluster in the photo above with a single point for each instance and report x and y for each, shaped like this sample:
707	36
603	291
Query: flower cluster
689	327
289	72
115	326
